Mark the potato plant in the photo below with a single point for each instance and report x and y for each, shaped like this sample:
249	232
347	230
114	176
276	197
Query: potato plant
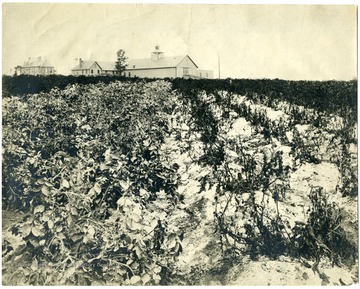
251	190
84	164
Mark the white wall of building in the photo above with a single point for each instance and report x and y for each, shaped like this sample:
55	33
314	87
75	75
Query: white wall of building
95	69
186	67
152	73
205	73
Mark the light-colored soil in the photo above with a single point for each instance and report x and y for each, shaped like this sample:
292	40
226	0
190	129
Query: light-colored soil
202	257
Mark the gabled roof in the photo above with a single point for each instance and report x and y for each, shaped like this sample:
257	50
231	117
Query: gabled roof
171	61
107	65
84	65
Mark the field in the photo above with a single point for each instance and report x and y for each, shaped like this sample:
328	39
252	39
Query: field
180	182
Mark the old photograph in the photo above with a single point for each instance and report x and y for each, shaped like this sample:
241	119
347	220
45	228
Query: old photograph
179	144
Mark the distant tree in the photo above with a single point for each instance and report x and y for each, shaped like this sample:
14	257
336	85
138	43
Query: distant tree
16	70
121	61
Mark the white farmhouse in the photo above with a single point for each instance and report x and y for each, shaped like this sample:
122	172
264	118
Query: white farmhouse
91	67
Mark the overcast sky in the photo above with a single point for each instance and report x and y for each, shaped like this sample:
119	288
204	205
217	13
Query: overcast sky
254	41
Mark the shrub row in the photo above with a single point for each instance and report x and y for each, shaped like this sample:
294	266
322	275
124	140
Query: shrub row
321	95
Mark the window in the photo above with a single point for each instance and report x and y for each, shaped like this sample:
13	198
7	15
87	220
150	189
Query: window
129	74
200	74
133	66
92	71
186	70
113	72
98	71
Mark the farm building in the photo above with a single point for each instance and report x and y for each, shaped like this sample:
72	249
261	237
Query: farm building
157	66
160	66
35	67
91	67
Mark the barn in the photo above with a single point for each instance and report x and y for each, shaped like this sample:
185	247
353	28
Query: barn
160	66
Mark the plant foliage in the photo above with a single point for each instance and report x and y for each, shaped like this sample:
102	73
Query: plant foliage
84	160
85	163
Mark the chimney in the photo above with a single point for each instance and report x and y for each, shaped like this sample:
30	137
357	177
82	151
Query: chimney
80	62
39	58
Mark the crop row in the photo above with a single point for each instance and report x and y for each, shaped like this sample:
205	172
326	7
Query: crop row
249	189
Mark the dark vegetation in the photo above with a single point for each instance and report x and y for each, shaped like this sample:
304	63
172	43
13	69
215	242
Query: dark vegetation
82	156
329	96
324	96
28	84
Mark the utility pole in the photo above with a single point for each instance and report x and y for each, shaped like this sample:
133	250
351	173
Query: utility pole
219	63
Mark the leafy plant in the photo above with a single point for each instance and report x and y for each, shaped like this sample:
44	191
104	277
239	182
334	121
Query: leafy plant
323	234
85	163
242	210
303	152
